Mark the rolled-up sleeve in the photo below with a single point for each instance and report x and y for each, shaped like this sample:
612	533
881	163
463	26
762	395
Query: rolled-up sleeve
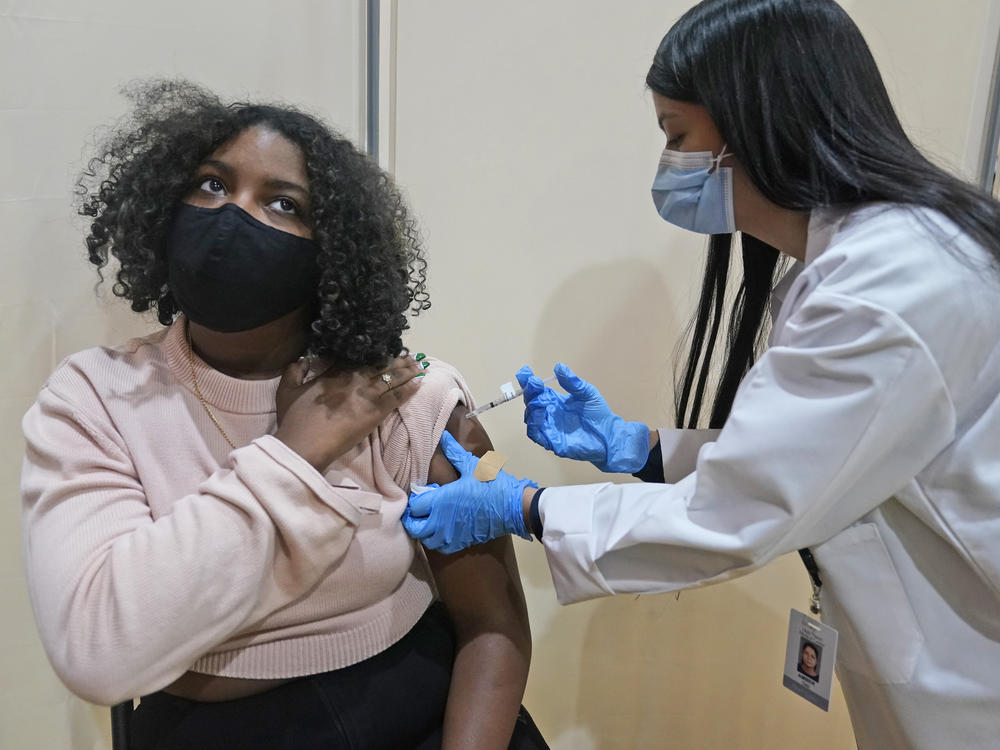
844	410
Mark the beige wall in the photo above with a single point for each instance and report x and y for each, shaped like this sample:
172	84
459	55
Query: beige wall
61	63
526	144
937	61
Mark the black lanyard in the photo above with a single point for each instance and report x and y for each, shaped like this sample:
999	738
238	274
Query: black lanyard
814	579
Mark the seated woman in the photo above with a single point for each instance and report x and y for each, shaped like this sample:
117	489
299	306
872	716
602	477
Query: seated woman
211	512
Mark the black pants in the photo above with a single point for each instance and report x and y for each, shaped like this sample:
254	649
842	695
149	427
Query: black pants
392	701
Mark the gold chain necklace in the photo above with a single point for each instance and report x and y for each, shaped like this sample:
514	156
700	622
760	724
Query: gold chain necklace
197	390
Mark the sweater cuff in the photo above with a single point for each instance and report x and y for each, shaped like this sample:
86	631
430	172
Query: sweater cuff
363	502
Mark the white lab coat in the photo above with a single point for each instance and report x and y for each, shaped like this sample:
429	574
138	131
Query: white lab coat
870	432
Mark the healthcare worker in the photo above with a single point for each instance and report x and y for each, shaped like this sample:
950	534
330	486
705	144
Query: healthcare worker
868	432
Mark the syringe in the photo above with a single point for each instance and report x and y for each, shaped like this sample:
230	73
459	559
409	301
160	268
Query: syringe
509	394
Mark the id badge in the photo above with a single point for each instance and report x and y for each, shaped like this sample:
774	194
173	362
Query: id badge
809	659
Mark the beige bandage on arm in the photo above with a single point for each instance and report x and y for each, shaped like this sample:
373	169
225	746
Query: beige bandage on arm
489	466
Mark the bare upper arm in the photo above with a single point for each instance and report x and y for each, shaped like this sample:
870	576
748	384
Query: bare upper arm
470	433
480	583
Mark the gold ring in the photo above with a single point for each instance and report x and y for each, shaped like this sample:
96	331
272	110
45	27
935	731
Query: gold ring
387	379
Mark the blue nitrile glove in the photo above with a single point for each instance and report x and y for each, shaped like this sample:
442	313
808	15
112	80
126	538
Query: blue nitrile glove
580	425
466	511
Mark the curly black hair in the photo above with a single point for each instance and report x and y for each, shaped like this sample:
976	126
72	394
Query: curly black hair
372	269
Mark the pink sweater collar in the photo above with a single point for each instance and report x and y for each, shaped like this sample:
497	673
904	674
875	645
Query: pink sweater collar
221	391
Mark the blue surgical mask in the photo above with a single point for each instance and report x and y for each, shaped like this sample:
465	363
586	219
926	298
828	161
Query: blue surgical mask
693	192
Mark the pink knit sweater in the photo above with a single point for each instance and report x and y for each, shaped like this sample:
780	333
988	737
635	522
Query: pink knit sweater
152	548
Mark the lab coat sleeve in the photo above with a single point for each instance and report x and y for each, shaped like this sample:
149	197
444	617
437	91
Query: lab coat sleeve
845	408
680	448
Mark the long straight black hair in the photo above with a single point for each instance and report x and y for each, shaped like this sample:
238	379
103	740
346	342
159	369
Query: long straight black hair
796	95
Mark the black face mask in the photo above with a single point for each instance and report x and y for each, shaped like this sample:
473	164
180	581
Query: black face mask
230	272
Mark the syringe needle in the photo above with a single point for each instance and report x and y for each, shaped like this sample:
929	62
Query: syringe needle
502	400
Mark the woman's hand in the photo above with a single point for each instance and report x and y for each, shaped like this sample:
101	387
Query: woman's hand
467	511
580	425
323	418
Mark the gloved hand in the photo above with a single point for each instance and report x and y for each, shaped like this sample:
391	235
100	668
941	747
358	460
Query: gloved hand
580	424
466	511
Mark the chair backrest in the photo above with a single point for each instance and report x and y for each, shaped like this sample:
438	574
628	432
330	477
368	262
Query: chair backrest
121	717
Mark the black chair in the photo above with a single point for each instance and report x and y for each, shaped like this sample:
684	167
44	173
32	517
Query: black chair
121	717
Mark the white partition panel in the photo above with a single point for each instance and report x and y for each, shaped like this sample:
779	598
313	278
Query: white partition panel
61	64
